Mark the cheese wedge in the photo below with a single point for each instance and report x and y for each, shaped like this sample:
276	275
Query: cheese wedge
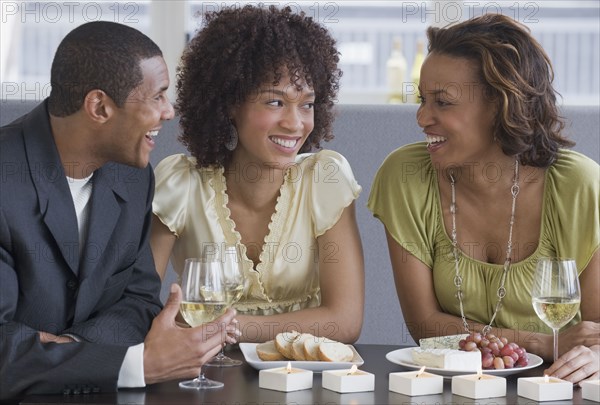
448	359
441	342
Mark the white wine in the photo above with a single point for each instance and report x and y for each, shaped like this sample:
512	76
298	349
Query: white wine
197	313
555	312
214	295
233	293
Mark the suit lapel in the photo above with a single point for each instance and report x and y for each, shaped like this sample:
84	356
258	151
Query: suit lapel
54	196
105	211
107	196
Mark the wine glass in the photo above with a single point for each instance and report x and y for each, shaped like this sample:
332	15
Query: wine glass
556	293
204	300
234	281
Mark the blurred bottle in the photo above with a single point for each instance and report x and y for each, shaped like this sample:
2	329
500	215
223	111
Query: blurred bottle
415	73
396	73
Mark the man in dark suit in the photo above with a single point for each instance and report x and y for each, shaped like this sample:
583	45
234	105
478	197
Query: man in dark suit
79	294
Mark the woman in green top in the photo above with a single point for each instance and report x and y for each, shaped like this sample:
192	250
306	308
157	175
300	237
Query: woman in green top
493	180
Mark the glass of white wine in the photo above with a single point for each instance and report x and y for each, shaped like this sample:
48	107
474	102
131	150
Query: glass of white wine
204	300
231	257
556	293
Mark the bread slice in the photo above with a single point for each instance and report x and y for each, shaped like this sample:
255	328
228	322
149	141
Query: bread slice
335	351
311	347
298	346
284	342
268	352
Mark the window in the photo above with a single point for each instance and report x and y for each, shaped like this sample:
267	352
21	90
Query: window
365	31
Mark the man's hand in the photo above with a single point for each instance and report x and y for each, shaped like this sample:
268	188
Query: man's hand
172	352
47	337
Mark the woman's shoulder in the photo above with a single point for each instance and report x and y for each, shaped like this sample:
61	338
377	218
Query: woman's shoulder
176	174
416	150
576	160
573	169
409	163
408	157
175	163
324	163
327	187
182	166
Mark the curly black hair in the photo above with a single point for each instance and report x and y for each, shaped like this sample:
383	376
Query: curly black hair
518	76
98	55
237	51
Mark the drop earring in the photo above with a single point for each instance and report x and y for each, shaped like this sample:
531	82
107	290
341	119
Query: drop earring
232	142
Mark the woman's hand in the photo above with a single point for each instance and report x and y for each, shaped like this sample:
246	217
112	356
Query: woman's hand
578	364
585	333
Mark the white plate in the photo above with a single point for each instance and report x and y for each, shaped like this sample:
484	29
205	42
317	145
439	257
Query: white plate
249	351
403	357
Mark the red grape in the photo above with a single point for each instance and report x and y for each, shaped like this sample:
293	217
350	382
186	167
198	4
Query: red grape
506	351
496	352
470	346
498	363
508	362
487	360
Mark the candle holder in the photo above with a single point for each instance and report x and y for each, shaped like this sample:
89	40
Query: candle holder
478	386
285	379
352	380
415	383
544	388
590	390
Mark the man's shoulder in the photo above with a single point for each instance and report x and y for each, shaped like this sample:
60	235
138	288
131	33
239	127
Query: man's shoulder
13	131
12	134
12	146
128	176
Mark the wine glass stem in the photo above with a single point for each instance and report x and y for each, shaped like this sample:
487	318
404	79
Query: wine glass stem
555	333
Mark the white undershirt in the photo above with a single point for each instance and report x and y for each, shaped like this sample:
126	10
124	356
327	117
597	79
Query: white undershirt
131	373
81	191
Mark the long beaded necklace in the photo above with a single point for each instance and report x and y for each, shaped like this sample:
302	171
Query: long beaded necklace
501	292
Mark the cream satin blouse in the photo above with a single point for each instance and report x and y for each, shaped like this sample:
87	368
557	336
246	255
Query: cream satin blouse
192	203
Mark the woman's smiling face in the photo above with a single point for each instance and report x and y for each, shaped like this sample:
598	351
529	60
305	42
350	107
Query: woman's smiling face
455	115
273	124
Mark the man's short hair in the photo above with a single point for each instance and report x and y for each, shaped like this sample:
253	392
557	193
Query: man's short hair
98	55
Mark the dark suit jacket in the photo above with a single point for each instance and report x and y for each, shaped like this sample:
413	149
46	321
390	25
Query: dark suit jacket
108	296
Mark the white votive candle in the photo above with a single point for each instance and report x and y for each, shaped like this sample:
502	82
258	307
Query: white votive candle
414	383
351	380
590	390
479	386
285	379
544	388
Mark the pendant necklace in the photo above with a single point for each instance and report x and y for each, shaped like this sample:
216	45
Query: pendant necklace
501	292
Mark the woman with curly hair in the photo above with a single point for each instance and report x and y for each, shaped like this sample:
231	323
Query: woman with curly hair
255	95
469	212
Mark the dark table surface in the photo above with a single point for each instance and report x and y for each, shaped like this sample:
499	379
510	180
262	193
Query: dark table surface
241	387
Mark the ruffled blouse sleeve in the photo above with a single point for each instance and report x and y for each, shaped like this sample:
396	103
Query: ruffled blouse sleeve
173	179
331	188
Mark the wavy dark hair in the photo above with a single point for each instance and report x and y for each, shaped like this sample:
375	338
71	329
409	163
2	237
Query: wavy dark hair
237	51
98	55
517	75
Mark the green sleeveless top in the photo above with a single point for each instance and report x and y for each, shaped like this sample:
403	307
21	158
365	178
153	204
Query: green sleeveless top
405	198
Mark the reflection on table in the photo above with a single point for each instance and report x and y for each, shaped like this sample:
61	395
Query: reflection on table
241	386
